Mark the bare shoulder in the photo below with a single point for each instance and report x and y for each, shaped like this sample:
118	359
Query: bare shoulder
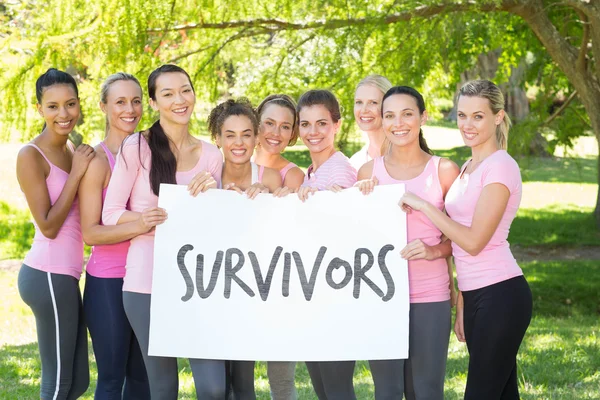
448	168
366	171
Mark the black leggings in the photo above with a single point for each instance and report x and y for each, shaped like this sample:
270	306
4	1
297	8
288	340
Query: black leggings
496	318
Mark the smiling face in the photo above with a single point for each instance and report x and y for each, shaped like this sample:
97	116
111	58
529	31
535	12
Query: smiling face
123	107
476	121
276	128
60	108
317	128
402	120
237	139
367	108
175	98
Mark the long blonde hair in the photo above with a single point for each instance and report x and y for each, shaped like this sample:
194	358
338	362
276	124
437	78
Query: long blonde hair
488	90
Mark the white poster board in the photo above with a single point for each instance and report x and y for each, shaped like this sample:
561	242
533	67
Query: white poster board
275	279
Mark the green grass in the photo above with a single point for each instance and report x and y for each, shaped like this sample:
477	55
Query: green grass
16	232
554	226
559	358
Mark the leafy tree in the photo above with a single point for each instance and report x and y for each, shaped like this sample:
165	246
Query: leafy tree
257	47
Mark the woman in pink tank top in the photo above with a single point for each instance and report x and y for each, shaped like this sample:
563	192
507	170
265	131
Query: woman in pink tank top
278	128
495	306
233	126
118	356
165	153
408	160
367	114
49	172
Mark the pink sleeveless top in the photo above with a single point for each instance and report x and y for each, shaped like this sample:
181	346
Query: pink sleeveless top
283	171
64	254
428	280
108	260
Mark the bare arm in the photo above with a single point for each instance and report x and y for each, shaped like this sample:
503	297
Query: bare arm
90	207
32	179
294	179
488	213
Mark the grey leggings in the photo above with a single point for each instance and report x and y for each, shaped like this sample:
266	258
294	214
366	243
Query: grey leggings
209	375
332	380
281	379
422	375
55	300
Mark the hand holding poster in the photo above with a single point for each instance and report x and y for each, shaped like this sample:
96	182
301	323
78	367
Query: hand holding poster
280	280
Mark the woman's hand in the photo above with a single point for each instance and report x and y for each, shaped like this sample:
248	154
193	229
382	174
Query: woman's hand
255	189
201	182
305	191
335	188
151	217
410	201
366	186
81	159
459	326
417	250
282	191
232	186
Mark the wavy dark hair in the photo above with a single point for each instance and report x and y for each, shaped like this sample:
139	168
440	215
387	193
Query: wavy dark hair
163	167
420	104
226	109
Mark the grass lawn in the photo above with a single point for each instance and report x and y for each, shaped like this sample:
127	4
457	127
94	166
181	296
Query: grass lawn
558	360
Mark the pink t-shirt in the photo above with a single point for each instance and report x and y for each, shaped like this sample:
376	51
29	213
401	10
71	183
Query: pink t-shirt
130	182
428	281
63	254
337	170
108	260
495	263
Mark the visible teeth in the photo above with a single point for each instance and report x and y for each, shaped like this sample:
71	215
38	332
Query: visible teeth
400	133
273	142
64	124
366	119
180	110
128	119
470	135
239	152
314	141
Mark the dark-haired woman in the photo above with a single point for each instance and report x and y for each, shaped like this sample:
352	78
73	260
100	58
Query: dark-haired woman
49	171
320	120
278	128
482	203
407	159
233	126
166	153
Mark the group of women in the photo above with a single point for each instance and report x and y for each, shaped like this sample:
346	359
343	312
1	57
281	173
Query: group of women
107	196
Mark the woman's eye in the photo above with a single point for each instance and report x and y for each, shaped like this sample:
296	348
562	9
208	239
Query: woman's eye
120	102
137	101
167	95
287	128
389	116
358	102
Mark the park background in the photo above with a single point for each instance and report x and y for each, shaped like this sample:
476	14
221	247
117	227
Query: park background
545	55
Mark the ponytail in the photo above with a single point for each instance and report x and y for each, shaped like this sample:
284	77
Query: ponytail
164	165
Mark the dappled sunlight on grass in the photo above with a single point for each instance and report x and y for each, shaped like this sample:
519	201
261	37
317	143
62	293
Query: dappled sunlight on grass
555	225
